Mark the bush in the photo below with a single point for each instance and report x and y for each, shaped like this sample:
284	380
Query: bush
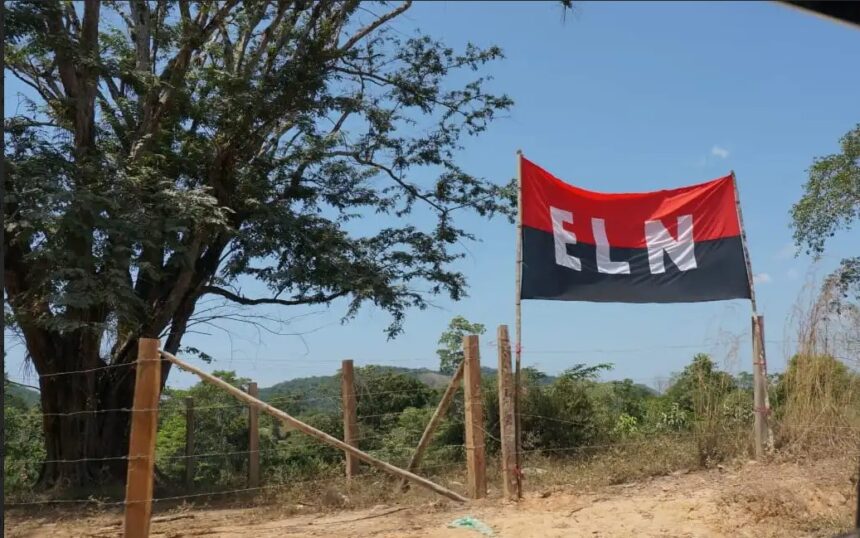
24	446
818	399
220	434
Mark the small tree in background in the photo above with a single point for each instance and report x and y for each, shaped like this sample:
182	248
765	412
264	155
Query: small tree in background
450	349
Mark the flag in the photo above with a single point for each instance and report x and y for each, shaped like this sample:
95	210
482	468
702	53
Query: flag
677	245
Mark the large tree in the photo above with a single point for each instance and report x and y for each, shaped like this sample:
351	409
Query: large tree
171	151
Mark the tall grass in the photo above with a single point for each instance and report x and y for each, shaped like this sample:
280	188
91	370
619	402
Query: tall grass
818	396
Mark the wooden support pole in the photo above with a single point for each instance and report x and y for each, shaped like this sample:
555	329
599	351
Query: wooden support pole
769	439
760	399
857	500
350	418
506	417
476	462
253	440
437	417
761	402
141	450
311	431
189	442
518	329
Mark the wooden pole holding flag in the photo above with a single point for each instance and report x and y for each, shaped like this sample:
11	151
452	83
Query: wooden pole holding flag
761	402
518	328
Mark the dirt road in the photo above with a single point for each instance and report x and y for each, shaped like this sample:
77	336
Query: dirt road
747	500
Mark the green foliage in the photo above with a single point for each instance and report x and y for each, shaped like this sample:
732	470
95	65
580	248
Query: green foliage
622	406
220	429
831	203
237	161
450	348
700	385
22	425
562	415
570	415
382	395
298	455
166	152
21	396
831	199
399	442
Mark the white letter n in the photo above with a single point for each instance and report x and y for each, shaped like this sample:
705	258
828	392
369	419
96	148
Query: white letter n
682	251
562	238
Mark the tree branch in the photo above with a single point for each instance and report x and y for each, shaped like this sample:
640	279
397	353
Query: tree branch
317	299
363	32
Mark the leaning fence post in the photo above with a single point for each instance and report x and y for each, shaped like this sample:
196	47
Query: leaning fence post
476	463
437	417
506	416
189	442
141	448
307	429
350	419
253	440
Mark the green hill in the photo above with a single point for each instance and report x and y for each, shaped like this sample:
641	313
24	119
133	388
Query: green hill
321	393
26	396
330	384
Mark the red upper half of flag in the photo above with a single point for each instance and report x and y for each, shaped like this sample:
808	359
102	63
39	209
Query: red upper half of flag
712	206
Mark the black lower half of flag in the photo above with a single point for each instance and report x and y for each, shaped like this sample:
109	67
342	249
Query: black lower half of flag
720	273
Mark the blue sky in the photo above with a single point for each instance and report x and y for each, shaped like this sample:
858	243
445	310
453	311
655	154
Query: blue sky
618	97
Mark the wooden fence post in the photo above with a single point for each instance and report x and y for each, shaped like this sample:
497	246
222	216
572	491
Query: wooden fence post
350	419
506	416
141	448
253	440
476	462
437	417
189	442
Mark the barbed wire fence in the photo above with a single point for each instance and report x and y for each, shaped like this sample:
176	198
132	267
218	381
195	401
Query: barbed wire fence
382	434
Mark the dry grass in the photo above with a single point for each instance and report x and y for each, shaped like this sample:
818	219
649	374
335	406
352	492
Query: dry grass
819	411
818	501
612	465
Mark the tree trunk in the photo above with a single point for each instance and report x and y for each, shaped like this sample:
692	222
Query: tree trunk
86	426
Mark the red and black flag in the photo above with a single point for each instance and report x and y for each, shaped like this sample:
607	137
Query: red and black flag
678	245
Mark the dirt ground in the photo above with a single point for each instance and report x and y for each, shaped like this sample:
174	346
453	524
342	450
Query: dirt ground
812	499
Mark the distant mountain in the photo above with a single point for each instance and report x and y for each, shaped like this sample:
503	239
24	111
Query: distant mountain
330	385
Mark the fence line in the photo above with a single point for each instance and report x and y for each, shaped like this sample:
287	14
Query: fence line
650	439
267	487
98	502
91	370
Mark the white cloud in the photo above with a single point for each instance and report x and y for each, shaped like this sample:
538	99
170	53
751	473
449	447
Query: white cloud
762	278
787	252
720	152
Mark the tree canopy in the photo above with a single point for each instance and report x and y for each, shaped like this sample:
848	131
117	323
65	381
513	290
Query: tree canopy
450	348
172	151
168	159
831	203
